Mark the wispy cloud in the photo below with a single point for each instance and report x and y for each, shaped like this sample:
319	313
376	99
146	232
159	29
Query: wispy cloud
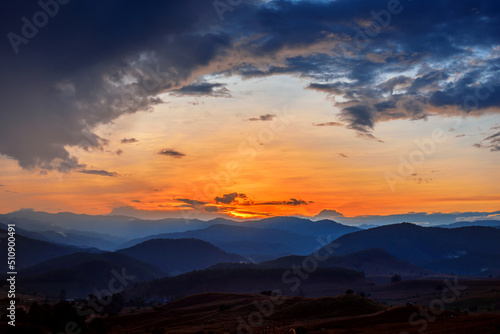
128	140
491	142
98	172
292	201
266	117
328	124
171	153
191	202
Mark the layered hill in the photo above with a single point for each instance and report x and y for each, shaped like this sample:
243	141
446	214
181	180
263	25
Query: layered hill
31	251
80	274
425	245
176	256
251	279
256	243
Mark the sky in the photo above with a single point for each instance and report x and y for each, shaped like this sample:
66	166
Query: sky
250	109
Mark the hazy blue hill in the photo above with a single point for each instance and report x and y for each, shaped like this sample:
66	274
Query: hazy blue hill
128	227
471	264
61	236
176	256
121	226
76	259
80	274
422	244
254	242
491	223
321	228
31	251
373	262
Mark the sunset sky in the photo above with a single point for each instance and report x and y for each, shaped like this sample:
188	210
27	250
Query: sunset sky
255	109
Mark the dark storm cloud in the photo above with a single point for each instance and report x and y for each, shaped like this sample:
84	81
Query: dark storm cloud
75	73
266	117
171	153
203	89
98	172
128	140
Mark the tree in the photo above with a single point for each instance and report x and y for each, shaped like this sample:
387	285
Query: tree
396	278
349	292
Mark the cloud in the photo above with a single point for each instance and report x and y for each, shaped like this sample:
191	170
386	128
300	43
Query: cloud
171	153
229	198
343	155
266	117
203	89
328	124
128	140
211	209
292	202
491	142
191	202
328	214
136	201
119	152
77	74
98	172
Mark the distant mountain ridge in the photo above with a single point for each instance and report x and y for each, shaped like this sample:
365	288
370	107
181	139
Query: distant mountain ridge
127	227
423	245
374	263
487	223
81	273
176	256
244	240
60	236
30	251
